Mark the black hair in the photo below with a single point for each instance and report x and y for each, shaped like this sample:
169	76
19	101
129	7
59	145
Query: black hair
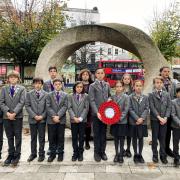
98	69
52	67
74	87
162	68
37	79
57	80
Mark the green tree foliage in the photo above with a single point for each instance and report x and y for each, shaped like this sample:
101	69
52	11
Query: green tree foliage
165	31
25	31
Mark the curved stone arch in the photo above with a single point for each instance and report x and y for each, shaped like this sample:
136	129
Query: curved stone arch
127	37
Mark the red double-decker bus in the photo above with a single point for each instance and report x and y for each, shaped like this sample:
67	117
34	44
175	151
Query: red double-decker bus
114	69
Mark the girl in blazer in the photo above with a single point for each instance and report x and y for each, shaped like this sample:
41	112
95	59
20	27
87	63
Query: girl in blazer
119	130
78	106
138	111
128	89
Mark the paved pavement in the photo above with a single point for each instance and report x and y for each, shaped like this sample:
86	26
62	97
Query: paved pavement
88	169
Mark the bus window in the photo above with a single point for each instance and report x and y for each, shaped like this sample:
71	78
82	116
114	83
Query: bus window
133	65
118	65
125	64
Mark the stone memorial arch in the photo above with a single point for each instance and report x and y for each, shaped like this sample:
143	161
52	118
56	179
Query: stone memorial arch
127	37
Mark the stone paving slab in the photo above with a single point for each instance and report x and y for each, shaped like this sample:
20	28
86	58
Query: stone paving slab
79	176
33	176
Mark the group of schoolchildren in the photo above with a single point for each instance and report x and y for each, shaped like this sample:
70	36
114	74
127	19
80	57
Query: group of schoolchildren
47	104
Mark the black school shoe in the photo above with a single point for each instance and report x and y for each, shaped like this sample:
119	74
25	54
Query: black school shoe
8	160
15	160
155	159
136	158
74	157
128	153
121	160
60	157
141	159
80	157
97	157
104	156
164	160
41	158
31	157
176	162
51	158
116	158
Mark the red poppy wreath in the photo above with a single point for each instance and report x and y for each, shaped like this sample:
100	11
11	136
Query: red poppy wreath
110	112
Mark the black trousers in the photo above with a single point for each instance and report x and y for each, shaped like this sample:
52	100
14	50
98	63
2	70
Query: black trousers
119	142
78	131
176	139
138	145
38	130
13	131
1	136
158	133
99	130
168	134
56	138
87	134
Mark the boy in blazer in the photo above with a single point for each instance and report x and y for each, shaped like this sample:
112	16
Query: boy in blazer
78	106
36	107
160	109
57	105
12	100
176	126
99	92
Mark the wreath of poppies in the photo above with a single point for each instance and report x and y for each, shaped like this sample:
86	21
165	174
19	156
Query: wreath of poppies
114	107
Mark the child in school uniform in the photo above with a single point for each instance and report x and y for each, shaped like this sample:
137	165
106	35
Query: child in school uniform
99	92
176	126
36	107
128	89
57	104
160	110
1	131
12	100
78	106
138	112
120	129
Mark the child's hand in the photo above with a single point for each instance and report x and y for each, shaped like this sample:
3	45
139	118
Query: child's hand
76	120
139	121
99	116
11	116
41	118
56	119
109	99
163	121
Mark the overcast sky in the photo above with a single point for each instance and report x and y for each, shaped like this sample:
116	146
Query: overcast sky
137	13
